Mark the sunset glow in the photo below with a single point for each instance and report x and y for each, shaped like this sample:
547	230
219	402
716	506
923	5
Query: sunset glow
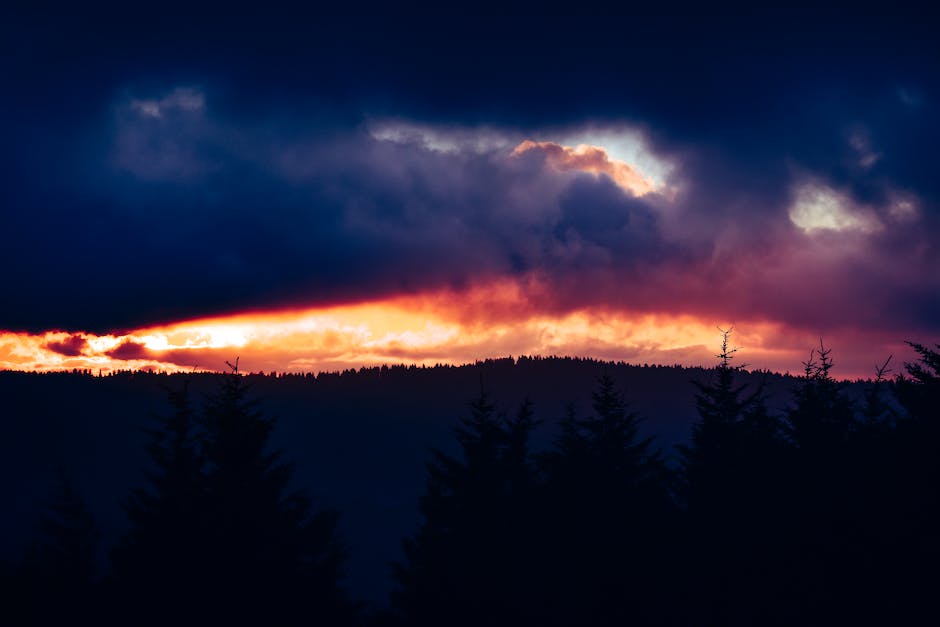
425	330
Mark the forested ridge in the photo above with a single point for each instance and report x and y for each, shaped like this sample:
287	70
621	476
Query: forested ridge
545	492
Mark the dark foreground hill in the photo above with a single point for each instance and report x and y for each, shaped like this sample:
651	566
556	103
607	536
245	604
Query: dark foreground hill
360	439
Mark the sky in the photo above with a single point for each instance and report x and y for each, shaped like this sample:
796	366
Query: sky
317	192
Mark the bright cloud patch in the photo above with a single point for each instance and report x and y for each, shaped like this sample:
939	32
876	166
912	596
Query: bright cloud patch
623	144
593	159
820	208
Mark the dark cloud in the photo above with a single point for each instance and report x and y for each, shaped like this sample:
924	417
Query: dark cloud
598	213
172	168
130	350
72	346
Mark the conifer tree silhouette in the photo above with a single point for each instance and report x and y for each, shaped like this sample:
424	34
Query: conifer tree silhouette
58	571
468	563
877	413
609	514
220	537
725	413
846	487
732	486
274	561
822	417
919	392
916	489
157	564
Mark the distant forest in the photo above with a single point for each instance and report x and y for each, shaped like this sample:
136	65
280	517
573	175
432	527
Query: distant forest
530	491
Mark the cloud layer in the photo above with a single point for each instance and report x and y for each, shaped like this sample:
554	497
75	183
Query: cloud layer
429	330
205	178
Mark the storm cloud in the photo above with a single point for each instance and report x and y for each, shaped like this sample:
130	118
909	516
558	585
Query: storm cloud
784	178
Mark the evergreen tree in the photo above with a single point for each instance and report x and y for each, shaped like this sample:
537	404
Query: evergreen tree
878	415
57	576
602	455
609	514
219	537
156	564
470	561
822	419
846	474
916	488
919	392
709	461
272	560
733	487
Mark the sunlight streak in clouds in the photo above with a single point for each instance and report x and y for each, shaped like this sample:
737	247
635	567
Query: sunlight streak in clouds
425	329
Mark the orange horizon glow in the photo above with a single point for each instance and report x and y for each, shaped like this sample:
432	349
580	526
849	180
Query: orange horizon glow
437	328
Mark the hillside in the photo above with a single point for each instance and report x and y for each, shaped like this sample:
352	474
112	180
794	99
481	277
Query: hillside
360	439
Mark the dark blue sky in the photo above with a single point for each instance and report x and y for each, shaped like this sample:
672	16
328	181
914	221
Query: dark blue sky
160	164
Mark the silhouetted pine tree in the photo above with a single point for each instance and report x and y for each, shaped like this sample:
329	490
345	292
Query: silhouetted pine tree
915	525
734	430
156	565
733	484
57	578
844	471
919	392
710	461
218	537
822	418
877	413
609	518
884	490
272	559
470	563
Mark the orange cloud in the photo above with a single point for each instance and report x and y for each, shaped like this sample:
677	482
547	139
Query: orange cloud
593	159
